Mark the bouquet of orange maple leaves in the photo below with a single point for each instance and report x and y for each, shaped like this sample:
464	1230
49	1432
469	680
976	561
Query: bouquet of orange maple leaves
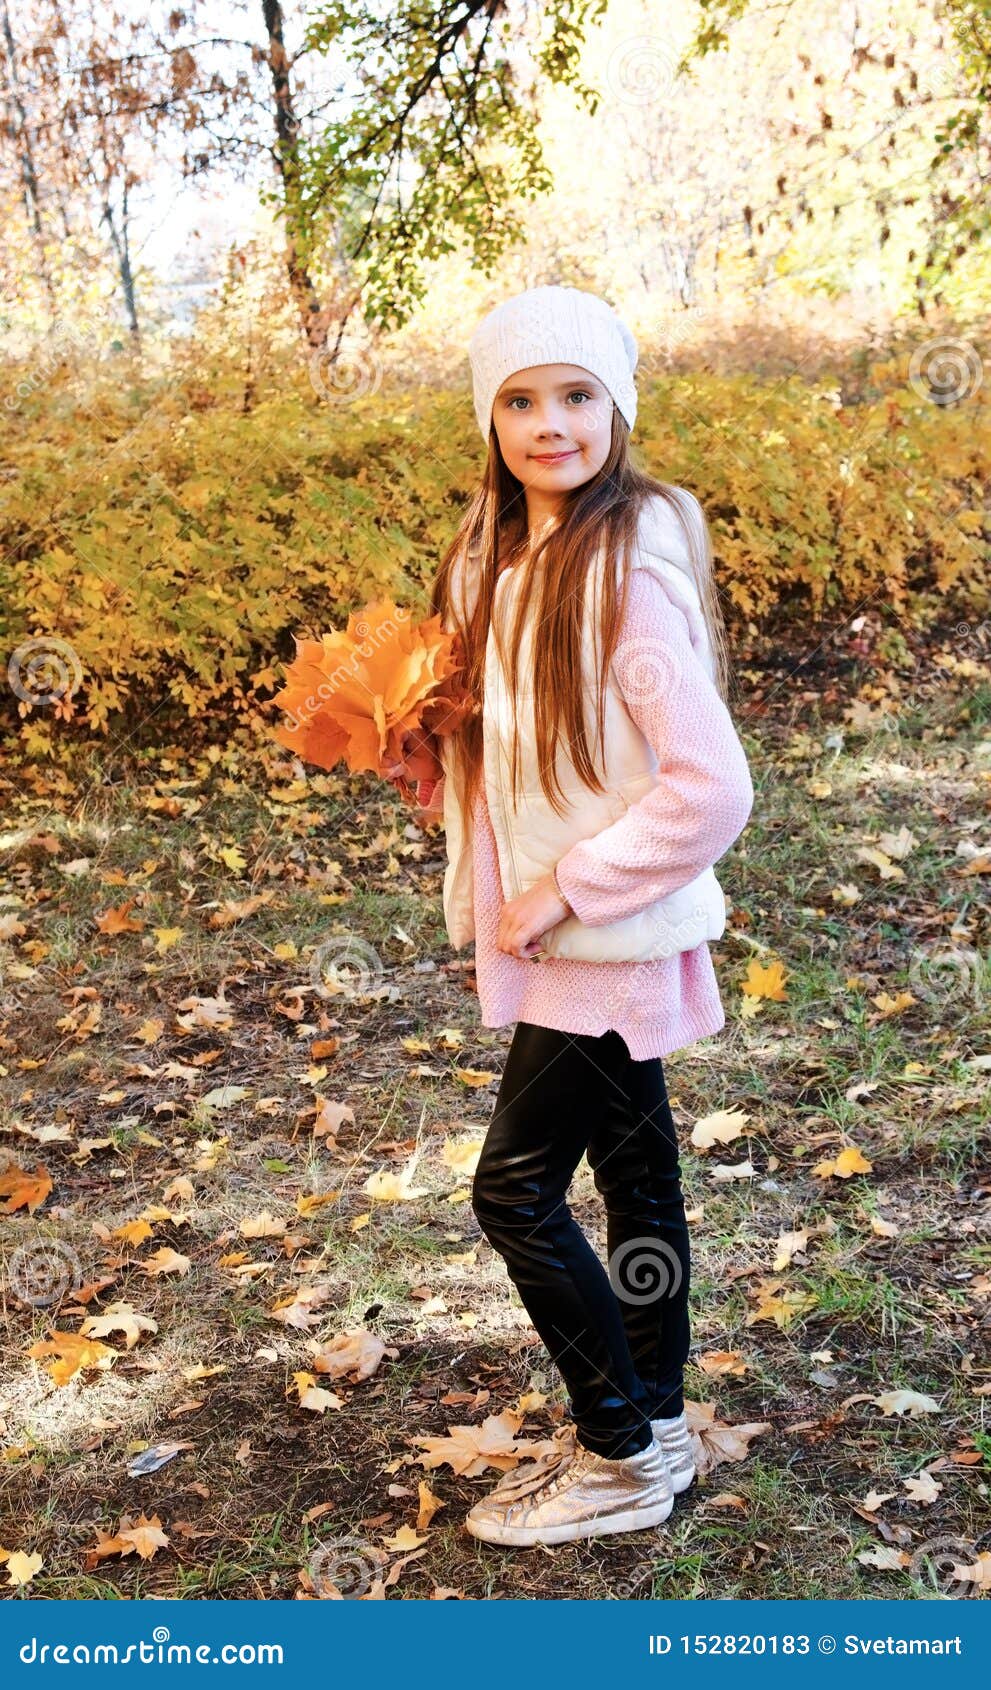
375	695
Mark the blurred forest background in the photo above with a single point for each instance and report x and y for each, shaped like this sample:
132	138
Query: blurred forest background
257	1345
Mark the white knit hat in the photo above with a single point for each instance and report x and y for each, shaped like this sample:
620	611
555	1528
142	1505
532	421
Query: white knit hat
552	325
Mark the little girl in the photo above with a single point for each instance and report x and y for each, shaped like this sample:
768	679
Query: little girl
580	860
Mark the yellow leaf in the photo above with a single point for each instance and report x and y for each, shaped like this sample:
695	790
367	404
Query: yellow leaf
789	1243
119	1317
765	982
262	1226
21	1568
463	1157
475	1076
912	1403
133	1232
405	1538
893	1006
119	920
719	1128
166	937
166	1261
782	1307
429	1504
146	1536
848	1162
309	1203
72	1352
387	1187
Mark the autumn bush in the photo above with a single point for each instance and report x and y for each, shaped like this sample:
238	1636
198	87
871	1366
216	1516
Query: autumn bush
176	533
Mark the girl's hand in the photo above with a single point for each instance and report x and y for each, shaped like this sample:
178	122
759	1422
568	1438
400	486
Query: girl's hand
418	760
525	919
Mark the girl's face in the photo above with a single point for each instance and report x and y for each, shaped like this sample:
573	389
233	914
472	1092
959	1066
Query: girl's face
554	425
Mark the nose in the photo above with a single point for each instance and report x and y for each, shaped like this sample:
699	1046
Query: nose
549	427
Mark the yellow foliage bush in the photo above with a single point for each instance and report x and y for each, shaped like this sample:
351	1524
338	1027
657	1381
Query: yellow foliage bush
176	541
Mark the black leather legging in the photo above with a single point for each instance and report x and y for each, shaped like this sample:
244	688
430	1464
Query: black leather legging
619	1339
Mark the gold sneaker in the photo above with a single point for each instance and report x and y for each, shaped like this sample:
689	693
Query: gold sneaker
676	1441
529	1474
588	1495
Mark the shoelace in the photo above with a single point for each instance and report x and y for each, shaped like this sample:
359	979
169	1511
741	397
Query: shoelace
573	1470
519	1481
545	1469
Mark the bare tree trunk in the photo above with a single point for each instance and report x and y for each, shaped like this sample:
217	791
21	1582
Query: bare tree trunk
314	318
19	128
122	247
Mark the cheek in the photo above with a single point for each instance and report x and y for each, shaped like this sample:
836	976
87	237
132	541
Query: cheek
596	431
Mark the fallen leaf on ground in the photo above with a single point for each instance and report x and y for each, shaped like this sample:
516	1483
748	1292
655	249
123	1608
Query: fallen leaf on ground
849	1161
165	1260
912	1403
720	1128
358	1352
716	1363
21	1567
922	1488
873	1500
313	1396
717	1440
142	1536
789	1244
387	1187
72	1353
469	1450
733	1170
781	1306
23	1190
119	1317
885	1557
764	982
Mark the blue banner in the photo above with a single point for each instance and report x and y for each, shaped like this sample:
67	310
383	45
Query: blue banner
409	1643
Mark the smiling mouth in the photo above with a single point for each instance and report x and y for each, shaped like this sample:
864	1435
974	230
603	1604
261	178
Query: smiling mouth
552	457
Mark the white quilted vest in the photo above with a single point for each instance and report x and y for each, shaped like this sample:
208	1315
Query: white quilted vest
530	836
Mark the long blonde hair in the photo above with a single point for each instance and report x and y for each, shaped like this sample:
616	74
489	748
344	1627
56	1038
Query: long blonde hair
493	533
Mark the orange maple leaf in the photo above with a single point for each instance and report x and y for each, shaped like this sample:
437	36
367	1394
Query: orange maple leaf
118	920
73	1352
354	694
23	1189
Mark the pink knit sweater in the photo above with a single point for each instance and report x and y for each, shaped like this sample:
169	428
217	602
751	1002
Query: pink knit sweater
684	825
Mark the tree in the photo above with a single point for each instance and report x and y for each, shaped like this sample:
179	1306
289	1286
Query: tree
958	214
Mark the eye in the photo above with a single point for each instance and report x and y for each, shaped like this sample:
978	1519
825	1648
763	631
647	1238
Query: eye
521	396
581	390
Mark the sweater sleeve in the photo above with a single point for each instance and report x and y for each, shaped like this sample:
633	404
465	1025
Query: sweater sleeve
704	793
430	794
